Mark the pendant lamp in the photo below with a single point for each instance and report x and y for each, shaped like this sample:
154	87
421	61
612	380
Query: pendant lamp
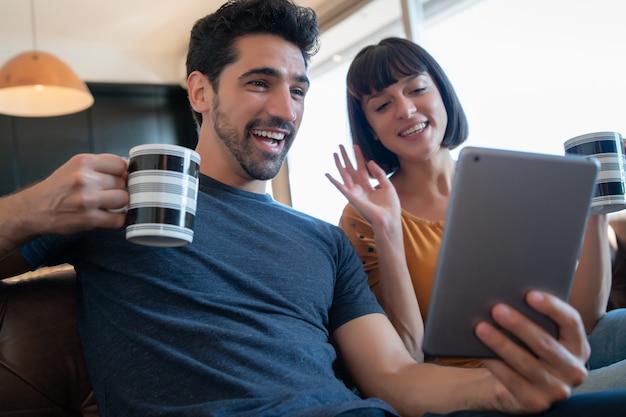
38	84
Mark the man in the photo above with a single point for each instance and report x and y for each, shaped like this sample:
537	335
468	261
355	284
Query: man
240	322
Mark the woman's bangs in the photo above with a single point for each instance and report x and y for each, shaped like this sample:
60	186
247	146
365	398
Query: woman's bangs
381	69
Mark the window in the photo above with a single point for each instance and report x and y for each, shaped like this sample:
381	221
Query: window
533	73
530	74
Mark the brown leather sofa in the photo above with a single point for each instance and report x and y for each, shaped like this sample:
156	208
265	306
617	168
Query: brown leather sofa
42	369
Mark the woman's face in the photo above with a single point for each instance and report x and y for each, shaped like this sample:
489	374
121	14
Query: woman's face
408	117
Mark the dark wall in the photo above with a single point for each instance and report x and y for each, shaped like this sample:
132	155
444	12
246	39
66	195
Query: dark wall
122	116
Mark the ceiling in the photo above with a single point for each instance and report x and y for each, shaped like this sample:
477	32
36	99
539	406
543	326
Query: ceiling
122	41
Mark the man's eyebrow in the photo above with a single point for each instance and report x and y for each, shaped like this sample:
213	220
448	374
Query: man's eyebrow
273	73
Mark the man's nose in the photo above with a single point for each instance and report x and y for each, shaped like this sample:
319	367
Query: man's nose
281	105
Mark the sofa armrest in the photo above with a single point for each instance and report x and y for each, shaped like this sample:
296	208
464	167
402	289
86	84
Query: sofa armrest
42	369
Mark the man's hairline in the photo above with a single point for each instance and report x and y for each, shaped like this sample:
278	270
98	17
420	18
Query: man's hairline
303	77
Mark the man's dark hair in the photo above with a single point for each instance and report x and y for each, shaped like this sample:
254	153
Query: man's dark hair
211	46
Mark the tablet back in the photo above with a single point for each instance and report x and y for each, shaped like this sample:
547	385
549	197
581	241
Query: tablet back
515	222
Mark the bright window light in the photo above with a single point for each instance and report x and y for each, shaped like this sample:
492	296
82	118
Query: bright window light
530	74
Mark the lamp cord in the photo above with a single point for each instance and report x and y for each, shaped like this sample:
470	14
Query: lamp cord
32	21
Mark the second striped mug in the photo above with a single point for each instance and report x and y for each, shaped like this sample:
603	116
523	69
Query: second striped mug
608	149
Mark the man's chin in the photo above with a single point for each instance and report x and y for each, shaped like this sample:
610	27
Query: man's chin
264	174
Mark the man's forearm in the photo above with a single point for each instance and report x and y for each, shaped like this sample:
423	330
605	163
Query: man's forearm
443	390
13	231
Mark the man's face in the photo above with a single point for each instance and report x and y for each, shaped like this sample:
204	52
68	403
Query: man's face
258	107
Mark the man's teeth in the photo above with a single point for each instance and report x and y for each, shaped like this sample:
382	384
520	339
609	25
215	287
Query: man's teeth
417	128
269	135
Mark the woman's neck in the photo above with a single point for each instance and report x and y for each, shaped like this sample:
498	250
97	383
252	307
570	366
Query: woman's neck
432	175
424	187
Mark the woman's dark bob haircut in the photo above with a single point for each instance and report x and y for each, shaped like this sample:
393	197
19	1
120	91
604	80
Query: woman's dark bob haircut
375	68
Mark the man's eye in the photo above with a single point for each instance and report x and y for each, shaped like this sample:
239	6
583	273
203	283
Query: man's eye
258	83
298	92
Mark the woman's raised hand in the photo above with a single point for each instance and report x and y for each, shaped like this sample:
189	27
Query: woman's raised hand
378	204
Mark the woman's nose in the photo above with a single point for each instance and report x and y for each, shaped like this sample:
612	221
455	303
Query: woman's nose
406	108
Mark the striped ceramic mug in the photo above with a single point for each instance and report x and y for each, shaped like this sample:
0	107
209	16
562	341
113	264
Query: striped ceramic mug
608	148
163	189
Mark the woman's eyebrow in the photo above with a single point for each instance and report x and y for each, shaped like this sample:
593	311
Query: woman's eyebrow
373	96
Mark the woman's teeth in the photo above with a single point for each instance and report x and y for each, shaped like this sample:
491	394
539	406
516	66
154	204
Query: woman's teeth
415	129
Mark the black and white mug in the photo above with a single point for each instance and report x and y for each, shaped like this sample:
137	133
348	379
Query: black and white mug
608	149
163	189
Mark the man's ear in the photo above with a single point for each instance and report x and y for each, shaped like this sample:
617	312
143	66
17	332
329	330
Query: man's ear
200	92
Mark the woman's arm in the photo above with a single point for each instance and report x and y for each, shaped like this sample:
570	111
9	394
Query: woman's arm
592	281
380	206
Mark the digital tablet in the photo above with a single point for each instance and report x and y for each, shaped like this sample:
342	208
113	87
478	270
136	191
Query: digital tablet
515	223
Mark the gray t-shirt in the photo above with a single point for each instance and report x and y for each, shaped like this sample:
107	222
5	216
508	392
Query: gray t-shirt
235	324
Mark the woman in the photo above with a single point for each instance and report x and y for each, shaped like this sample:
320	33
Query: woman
405	118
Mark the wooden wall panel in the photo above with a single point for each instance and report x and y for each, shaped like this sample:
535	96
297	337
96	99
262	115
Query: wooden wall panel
122	116
117	128
8	181
45	143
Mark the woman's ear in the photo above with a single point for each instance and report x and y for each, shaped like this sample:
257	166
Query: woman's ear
200	92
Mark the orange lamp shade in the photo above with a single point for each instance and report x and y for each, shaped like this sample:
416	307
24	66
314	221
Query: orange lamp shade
38	84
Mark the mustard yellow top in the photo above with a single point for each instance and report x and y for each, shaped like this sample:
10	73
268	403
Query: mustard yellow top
422	239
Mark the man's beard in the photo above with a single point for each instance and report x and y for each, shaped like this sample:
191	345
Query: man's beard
258	165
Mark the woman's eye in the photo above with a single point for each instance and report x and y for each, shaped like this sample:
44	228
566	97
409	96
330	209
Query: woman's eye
381	107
